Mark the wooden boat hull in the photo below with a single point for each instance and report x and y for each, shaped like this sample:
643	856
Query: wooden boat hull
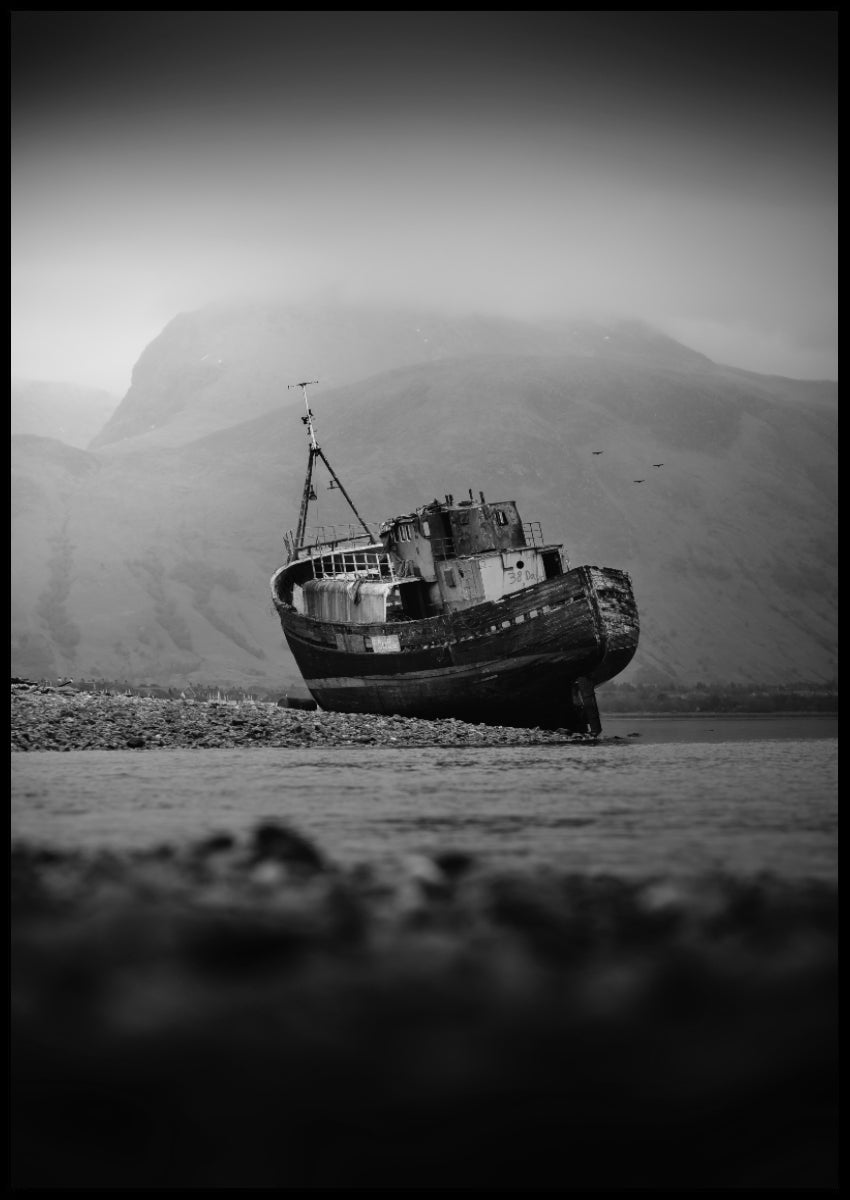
532	658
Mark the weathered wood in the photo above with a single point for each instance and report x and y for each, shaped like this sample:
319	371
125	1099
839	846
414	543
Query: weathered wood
509	662
470	614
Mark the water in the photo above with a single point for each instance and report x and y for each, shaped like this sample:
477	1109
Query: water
686	795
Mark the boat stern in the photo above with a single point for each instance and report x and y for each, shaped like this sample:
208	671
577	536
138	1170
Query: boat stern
618	621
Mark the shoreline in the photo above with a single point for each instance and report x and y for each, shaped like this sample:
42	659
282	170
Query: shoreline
720	715
61	718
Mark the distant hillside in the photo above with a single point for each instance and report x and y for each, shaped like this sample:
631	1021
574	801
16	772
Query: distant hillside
220	366
147	558
71	414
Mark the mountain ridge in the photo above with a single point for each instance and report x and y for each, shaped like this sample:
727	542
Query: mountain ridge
187	378
69	412
152	563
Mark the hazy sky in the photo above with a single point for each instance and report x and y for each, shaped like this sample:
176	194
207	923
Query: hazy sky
675	166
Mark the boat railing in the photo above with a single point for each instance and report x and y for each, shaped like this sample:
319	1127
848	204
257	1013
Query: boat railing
353	563
331	536
326	538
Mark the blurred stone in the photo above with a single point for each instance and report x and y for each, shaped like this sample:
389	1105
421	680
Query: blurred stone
274	841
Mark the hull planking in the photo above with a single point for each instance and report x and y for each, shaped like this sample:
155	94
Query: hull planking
530	659
458	609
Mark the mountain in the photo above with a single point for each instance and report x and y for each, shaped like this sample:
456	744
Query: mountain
220	366
60	410
147	557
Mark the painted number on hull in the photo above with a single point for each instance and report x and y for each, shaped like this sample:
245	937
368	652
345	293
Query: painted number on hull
526	576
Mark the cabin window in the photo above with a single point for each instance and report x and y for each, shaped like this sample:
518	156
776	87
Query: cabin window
501	517
426	529
449	578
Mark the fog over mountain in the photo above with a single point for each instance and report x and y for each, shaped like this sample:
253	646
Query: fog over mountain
234	358
676	166
147	556
66	411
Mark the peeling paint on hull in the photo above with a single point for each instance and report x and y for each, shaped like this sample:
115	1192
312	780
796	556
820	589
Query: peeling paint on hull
530	659
512	636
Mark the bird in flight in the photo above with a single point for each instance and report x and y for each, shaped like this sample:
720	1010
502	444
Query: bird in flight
658	464
597	452
637	481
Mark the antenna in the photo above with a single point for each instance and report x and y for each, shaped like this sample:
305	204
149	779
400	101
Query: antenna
308	420
309	492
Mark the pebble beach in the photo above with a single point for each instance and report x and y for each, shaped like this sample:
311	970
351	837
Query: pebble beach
60	717
243	1012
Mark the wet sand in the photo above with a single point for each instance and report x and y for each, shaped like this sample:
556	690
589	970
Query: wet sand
247	1014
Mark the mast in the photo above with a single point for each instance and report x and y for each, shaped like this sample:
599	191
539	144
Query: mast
315	451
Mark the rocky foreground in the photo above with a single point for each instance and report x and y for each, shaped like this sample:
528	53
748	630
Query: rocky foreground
59	717
245	1013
